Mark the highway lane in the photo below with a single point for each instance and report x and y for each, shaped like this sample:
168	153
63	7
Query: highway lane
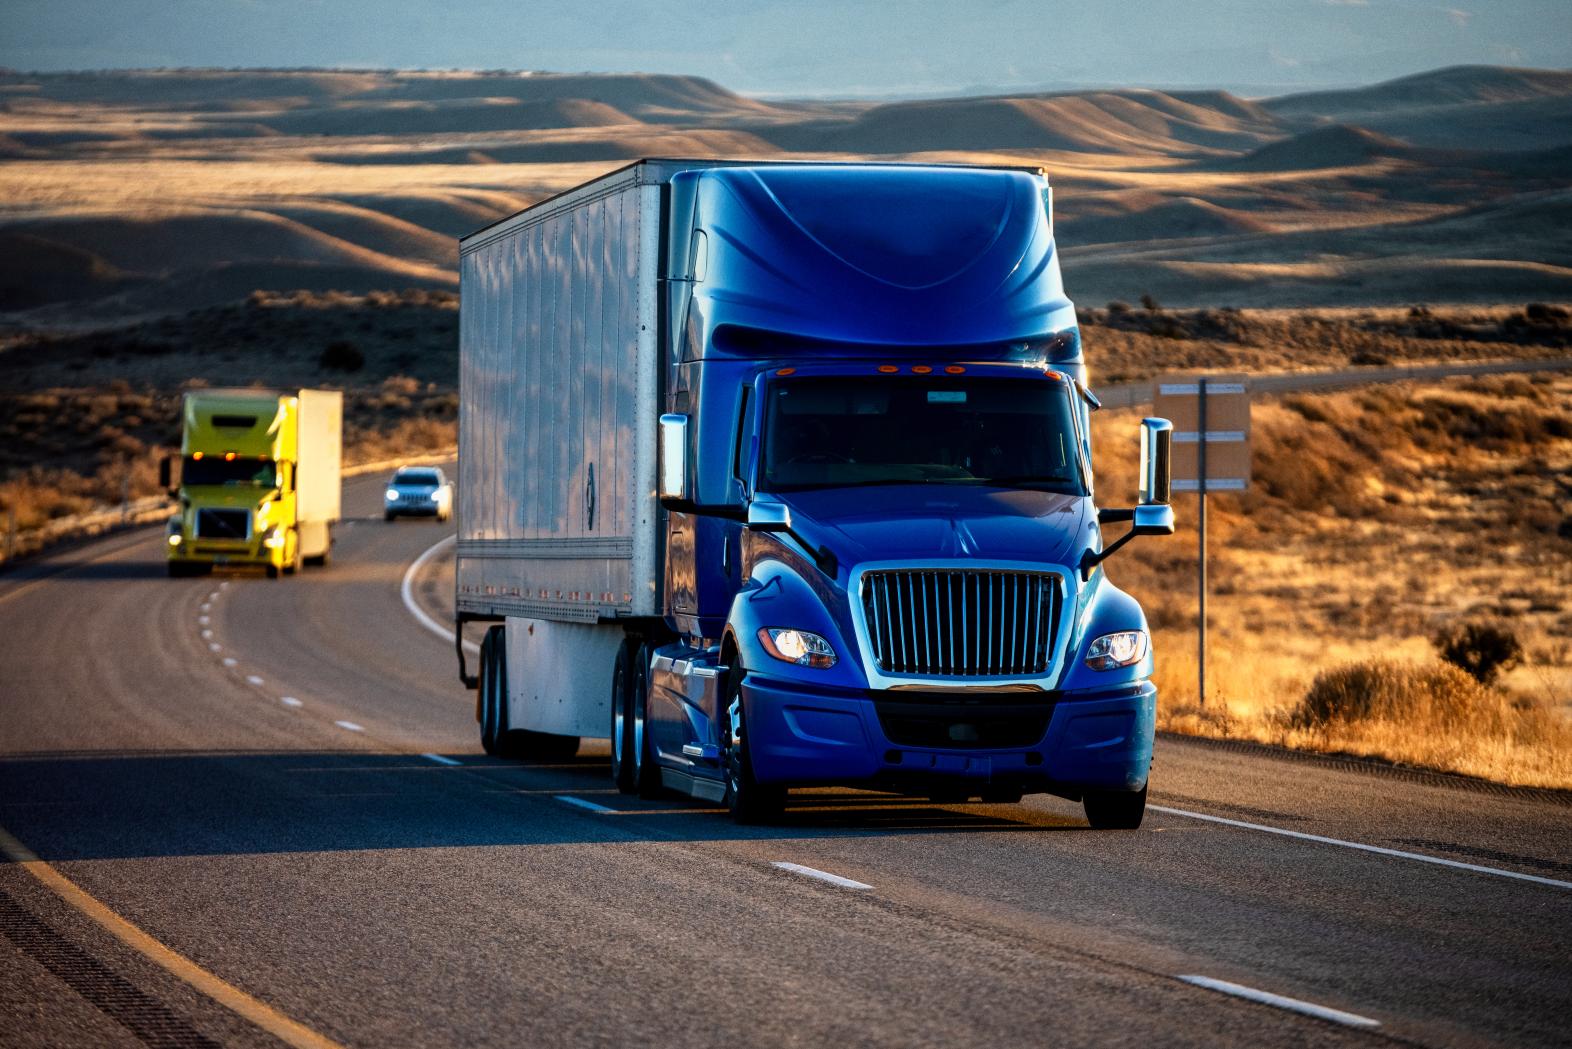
383	897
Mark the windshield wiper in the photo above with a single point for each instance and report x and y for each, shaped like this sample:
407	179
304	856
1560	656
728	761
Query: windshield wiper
1023	480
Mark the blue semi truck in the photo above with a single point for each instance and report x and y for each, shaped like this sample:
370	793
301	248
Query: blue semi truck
779	475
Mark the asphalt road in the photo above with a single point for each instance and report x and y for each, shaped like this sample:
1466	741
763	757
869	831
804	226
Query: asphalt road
281	783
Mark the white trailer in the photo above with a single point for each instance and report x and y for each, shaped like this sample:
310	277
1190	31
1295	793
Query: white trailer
559	377
319	481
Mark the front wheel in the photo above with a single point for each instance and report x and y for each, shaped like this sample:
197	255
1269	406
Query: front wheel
646	771
1115	809
624	771
748	800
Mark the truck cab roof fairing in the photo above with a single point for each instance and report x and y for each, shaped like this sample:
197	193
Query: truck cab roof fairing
878	255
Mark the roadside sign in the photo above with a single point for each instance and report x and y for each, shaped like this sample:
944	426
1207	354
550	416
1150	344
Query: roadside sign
1226	415
1211	418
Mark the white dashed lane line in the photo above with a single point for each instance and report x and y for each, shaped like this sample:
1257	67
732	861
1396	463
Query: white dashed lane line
215	647
290	701
349	726
230	661
440	760
825	876
1295	1005
252	679
581	803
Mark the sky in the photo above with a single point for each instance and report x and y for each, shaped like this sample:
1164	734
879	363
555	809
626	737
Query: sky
814	48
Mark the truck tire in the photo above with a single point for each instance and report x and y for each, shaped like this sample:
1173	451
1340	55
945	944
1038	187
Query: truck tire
272	571
748	800
624	769
489	705
646	772
1115	809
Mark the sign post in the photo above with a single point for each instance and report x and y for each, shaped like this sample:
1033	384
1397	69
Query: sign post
1211	417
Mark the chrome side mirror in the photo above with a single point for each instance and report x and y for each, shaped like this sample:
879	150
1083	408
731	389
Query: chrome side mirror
1152	519
1157	438
766	516
674	458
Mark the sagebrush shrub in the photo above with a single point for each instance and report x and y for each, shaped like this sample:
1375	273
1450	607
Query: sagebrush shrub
1481	648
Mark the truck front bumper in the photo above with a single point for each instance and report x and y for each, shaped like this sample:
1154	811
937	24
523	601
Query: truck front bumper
222	552
1095	739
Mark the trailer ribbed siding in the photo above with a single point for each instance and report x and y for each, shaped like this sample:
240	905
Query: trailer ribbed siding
559	382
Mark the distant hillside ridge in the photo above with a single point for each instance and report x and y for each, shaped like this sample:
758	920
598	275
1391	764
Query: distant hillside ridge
1440	87
1087	122
1337	146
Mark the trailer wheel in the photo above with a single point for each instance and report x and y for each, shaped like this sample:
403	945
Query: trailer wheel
488	690
1115	809
624	769
748	800
646	773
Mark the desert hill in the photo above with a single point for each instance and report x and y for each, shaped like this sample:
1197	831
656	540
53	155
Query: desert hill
1455	85
141	192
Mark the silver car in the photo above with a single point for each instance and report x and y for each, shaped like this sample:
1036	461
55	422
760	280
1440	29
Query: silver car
422	491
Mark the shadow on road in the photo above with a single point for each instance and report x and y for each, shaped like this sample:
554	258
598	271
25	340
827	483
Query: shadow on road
93	805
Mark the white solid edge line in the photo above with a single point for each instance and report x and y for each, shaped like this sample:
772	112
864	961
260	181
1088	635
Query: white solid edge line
350	725
833	879
1321	1012
1377	849
581	803
440	760
289	701
407	592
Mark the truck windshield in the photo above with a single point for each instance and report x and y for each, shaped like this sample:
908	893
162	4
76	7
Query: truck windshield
218	470
851	431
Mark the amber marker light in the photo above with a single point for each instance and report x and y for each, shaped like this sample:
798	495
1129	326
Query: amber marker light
229	457
1053	375
954	369
888	369
785	371
921	369
196	455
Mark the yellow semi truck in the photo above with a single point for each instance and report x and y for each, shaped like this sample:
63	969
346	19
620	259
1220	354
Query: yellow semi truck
258	481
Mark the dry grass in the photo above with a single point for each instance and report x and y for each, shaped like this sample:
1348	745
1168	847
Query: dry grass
84	419
1376	518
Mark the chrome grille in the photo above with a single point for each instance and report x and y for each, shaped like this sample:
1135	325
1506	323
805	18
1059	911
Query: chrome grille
962	622
223	524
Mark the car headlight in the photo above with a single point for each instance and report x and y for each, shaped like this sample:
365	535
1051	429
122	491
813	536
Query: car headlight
797	646
392	495
1112	651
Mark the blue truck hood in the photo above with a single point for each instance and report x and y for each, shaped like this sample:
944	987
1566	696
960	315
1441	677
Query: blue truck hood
917	522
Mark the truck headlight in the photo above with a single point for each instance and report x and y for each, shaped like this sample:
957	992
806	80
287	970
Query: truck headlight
797	646
274	539
1112	651
174	538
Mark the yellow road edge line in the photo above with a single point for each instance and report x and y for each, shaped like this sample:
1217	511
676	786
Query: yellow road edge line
231	997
